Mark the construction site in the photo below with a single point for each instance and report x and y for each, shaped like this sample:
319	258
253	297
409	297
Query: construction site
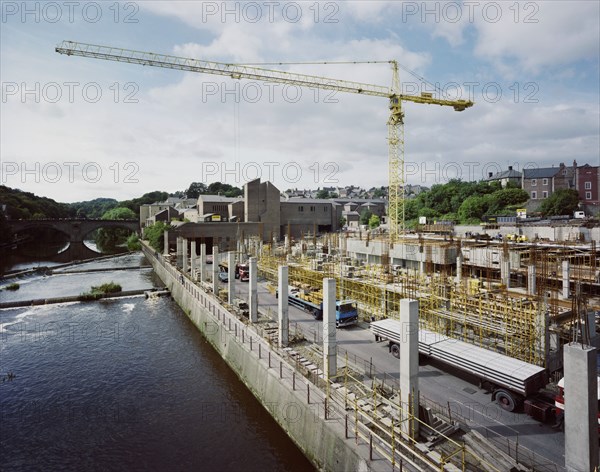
523	300
527	303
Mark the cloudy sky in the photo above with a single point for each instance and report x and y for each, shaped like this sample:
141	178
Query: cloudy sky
75	128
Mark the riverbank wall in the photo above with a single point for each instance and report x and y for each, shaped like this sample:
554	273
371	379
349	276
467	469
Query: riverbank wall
296	404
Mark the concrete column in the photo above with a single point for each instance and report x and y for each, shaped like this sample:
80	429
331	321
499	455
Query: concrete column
581	408
287	243
193	259
329	327
215	270
202	262
179	251
409	366
282	305
166	243
566	275
531	289
253	290
459	262
422	261
184	247
505	270
230	277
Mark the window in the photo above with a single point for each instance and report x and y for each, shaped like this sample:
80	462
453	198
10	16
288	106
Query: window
325	209
588	195
533	182
545	182
300	208
312	208
534	195
588	186
544	194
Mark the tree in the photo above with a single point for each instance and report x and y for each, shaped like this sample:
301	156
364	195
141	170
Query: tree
472	209
322	194
154	235
107	239
226	190
365	216
374	221
196	189
562	202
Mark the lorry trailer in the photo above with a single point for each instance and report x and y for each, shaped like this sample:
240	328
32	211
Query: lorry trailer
346	312
510	380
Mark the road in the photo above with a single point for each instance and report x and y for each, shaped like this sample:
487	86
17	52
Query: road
446	387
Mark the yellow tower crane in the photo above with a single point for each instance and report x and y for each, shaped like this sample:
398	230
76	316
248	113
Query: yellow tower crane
240	71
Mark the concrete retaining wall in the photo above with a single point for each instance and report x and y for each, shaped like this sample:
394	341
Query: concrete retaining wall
322	441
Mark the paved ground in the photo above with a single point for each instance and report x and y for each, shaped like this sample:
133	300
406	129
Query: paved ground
444	387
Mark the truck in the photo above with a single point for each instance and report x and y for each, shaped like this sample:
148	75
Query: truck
346	312
559	401
511	381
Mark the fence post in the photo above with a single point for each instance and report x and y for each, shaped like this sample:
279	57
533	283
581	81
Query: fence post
308	393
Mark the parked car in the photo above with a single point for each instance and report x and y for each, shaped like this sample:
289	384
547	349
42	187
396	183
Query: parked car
209	259
223	277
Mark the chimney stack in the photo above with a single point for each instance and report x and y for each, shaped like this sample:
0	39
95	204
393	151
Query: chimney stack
509	167
490	174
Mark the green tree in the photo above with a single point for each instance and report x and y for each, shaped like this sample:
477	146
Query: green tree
154	235
323	194
374	221
472	209
226	190
365	216
108	239
196	189
562	202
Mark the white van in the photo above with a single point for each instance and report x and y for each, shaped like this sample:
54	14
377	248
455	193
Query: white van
579	215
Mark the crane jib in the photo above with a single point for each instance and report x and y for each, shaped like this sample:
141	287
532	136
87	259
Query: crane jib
395	122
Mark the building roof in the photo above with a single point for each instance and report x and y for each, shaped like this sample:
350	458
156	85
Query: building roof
216	199
541	173
507	174
302	200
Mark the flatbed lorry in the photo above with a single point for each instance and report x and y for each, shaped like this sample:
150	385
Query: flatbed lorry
346	312
511	381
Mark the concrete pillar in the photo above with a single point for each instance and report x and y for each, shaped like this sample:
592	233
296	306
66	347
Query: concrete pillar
166	243
202	262
253	290
193	259
287	243
282	305
329	327
422	262
581	408
215	270
409	367
566	275
179	251
230	277
459	262
505	270
531	289
184	247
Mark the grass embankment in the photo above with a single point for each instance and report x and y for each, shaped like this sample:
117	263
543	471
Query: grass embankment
98	292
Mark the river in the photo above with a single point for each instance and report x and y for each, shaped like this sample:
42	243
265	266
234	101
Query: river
123	384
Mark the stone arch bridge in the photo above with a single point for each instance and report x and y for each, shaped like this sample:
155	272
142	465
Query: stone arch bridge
76	230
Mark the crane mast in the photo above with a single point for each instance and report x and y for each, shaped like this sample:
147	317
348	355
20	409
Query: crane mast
239	71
